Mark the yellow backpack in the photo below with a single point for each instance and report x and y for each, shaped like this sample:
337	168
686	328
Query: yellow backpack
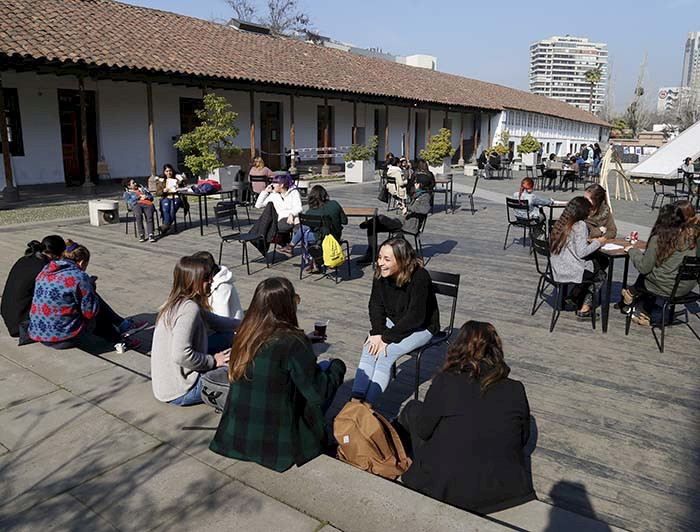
332	252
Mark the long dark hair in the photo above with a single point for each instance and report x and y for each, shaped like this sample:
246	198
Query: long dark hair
576	210
209	259
406	259
598	198
672	233
318	196
422	166
272	310
477	343
52	246
189	276
168	166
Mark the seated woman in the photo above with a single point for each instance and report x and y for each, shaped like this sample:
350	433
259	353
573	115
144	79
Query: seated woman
422	168
275	407
569	248
403	313
412	213
671	240
66	310
223	296
320	204
19	288
398	186
166	188
182	348
687	167
534	202
140	201
550	172
689	214
600	220
468	437
573	172
259	170
286	200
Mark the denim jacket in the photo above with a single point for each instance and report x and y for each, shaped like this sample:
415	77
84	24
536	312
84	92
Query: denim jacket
131	197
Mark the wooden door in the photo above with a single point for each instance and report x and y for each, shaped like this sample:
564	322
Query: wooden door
271	134
71	139
323	120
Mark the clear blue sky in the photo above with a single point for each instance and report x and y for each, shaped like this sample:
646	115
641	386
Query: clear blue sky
490	40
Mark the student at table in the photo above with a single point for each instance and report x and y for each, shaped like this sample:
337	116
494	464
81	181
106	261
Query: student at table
671	240
422	168
182	347
526	193
170	203
600	220
286	200
570	249
19	288
398	188
469	434
140	201
403	314
550	172
687	167
278	395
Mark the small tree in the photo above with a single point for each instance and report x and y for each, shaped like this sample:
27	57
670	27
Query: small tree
501	147
205	146
528	144
439	147
358	152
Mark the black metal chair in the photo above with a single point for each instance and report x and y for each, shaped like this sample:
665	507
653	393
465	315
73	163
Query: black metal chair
224	214
243	195
528	224
469	195
665	189
540	177
444	284
444	189
544	269
688	271
320	225
416	235
263	182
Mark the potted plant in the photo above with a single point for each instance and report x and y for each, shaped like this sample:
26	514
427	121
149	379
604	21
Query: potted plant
211	141
528	148
359	162
439	152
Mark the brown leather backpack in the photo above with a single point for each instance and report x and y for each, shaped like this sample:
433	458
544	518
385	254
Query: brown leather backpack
368	441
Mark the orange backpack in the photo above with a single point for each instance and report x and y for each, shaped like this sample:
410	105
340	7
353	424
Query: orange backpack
368	441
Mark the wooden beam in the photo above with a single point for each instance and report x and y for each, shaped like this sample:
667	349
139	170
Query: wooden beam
151	131
252	125
461	139
430	117
488	142
7	162
84	132
386	130
292	135
354	122
407	150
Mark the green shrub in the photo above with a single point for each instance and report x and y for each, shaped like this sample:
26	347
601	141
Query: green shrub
439	147
358	152
529	144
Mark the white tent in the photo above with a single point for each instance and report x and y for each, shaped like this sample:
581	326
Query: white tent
665	162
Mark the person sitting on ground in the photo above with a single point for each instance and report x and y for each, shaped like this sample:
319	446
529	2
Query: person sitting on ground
182	348
258	169
600	220
140	201
278	396
468	436
413	214
320	204
569	248
170	203
19	288
671	240
66	311
494	164
398	187
403	313
534	202
223	296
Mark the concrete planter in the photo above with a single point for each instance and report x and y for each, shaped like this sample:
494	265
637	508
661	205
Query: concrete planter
443	168
529	159
359	171
226	175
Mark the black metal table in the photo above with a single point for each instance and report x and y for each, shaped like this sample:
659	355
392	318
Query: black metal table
204	220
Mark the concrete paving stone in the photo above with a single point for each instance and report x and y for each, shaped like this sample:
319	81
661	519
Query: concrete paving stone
354	500
39	418
539	516
66	459
18	385
61	513
329	528
238	508
148	490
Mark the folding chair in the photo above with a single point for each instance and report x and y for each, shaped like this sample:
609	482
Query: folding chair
319	225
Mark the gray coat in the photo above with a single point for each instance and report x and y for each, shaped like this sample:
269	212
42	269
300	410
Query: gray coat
418	208
569	265
660	279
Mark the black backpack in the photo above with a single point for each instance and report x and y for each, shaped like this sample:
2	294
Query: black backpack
215	387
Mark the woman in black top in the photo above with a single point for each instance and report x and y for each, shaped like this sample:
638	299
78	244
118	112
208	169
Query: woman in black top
469	434
19	287
403	313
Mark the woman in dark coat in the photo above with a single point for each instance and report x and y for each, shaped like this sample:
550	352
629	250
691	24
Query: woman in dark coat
469	434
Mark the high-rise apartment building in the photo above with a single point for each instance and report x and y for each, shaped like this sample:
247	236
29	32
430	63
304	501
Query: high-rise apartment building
558	68
691	61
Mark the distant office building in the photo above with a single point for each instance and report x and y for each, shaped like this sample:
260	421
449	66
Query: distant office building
668	98
691	61
558	68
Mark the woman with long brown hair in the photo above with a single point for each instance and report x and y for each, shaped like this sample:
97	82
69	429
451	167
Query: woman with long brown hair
275	406
469	434
569	248
403	314
600	220
182	349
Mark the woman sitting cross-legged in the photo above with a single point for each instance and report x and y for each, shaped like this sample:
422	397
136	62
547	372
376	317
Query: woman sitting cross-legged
671	240
569	248
182	347
66	311
140	201
275	406
469	434
19	288
320	204
403	313
413	213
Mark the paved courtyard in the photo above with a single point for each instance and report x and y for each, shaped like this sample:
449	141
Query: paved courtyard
84	445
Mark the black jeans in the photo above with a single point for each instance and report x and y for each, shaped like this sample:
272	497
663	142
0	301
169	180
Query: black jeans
384	225
140	210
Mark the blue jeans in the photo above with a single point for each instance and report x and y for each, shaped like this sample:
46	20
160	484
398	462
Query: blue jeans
372	376
169	207
309	238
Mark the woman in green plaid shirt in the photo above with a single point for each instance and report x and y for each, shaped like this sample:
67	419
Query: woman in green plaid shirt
274	412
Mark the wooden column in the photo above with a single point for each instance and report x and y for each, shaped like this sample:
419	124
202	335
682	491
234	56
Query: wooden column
386	130
488	143
461	139
429	120
477	134
407	151
84	133
325	169
292	136
252	125
151	131
354	122
10	193
444	120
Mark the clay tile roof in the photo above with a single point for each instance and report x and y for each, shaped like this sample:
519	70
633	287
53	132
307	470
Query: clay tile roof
112	34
